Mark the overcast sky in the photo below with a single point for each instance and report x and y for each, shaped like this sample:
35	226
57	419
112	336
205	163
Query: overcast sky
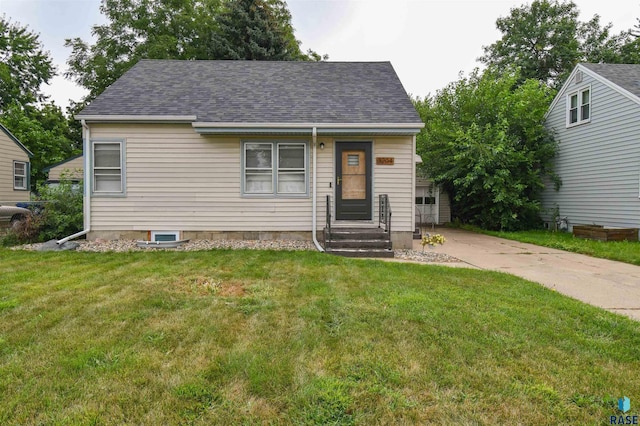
428	42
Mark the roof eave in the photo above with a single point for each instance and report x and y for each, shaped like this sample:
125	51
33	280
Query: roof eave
60	163
322	129
168	119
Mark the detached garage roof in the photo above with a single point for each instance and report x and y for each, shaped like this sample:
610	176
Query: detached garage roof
251	94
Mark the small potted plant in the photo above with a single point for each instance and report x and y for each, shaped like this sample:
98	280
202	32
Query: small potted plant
432	240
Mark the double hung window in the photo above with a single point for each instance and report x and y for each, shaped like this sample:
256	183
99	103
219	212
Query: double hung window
275	168
108	168
579	107
20	175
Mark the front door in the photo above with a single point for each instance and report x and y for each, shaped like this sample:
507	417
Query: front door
353	181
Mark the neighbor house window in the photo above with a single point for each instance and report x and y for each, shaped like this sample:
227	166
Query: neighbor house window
275	168
20	175
108	168
579	107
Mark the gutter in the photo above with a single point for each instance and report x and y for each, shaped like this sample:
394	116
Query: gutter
314	215
137	118
86	205
346	129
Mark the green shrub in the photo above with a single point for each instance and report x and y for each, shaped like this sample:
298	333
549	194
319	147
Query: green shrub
59	214
62	214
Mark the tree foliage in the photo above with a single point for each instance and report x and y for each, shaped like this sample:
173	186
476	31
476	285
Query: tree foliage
62	214
24	65
47	133
485	143
41	127
546	40
181	29
255	30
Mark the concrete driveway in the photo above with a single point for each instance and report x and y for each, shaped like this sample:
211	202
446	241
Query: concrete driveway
614	286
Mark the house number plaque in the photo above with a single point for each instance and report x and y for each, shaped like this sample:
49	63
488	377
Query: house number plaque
385	161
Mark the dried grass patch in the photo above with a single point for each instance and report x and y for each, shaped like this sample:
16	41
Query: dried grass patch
206	286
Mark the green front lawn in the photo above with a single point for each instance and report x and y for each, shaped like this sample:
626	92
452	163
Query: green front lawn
245	337
622	251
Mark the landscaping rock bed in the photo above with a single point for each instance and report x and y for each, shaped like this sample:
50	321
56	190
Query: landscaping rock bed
198	245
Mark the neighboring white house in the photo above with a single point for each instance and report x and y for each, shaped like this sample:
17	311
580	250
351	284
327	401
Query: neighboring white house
14	169
249	149
432	204
71	168
596	119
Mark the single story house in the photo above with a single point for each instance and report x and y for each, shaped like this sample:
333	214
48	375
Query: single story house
71	168
249	150
14	169
596	119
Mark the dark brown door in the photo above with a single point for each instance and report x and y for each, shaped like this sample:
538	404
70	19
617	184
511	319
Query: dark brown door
353	181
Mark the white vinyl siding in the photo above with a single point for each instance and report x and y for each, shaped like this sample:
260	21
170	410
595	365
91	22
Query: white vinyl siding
108	168
275	168
397	181
599	164
177	179
11	152
20	175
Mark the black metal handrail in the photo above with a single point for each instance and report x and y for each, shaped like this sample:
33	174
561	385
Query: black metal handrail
327	236
384	216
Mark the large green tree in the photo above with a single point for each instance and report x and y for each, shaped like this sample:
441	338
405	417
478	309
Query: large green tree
546	40
485	142
136	29
255	30
41	127
24	65
181	29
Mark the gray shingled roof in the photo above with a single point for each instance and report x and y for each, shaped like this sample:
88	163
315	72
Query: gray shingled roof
260	92
626	76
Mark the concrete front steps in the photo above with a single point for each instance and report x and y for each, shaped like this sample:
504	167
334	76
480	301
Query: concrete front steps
358	242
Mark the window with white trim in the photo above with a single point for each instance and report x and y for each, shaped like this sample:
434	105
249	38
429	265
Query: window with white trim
20	175
579	107
275	168
108	168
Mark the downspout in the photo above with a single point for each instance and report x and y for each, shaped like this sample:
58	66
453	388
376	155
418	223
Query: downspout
314	190
87	190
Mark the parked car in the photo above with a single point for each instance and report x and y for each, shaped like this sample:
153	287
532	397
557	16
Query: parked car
10	215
